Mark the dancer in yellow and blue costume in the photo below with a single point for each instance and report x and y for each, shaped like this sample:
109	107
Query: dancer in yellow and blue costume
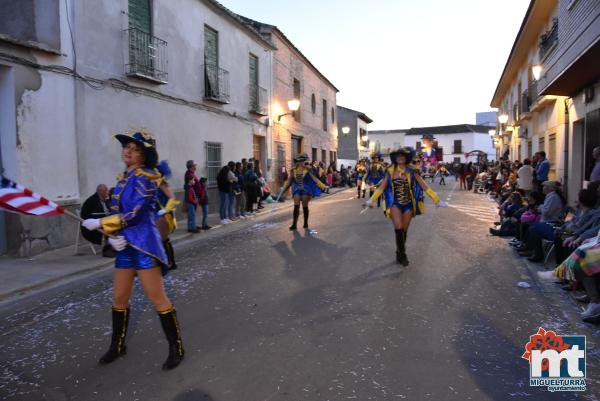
361	172
375	174
403	191
442	172
304	186
138	245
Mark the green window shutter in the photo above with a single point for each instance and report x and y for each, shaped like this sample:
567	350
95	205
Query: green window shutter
140	15
211	62
211	46
253	70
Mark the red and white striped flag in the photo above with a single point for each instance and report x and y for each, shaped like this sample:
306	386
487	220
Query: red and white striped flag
16	198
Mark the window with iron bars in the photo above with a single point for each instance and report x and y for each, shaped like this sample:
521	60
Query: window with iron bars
147	56
214	161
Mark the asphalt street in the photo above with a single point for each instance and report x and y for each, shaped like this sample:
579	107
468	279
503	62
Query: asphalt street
268	315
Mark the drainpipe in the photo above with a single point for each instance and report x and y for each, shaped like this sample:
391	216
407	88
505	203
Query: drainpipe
566	150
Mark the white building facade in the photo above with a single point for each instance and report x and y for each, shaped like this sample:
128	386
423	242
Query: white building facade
549	89
454	142
385	141
189	71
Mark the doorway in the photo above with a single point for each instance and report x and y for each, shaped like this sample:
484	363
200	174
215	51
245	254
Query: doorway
8	138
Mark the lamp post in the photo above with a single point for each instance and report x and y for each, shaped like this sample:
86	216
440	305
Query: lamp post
536	70
293	106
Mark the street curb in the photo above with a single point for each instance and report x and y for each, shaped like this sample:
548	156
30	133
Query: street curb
181	242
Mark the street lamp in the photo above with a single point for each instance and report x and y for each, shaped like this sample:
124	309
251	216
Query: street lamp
536	70
345	130
365	138
293	105
492	132
503	118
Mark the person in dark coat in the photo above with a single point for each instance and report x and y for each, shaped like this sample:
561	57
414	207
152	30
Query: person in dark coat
96	207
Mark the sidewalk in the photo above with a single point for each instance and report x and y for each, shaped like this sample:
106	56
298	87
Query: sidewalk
21	276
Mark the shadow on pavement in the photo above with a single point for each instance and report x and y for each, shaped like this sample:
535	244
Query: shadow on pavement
193	395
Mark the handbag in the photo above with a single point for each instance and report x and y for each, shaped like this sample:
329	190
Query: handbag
529	217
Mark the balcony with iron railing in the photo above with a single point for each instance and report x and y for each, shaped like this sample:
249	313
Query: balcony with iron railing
549	39
216	84
258	100
526	103
147	56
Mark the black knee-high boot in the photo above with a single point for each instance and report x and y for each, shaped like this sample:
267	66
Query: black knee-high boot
120	318
305	214
170	325
296	214
405	238
400	247
170	254
364	192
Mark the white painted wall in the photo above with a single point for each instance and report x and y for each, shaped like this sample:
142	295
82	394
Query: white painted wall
388	141
62	145
470	141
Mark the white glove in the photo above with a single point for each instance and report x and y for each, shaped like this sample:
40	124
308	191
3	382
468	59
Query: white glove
118	243
91	224
441	204
368	203
162	212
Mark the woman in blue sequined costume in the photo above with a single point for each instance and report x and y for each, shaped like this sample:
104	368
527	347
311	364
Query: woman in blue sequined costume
402	189
140	252
304	186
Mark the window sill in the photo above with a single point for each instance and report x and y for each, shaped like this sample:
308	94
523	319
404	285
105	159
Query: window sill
261	113
147	78
216	100
31	44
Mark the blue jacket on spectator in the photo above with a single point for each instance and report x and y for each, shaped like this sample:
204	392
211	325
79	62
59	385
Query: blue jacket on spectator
553	208
239	185
592	226
250	177
542	170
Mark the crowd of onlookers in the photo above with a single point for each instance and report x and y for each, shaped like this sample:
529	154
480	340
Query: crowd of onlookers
243	189
534	212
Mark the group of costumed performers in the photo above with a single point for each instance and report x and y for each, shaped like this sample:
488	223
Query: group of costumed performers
374	175
304	187
140	250
361	172
402	189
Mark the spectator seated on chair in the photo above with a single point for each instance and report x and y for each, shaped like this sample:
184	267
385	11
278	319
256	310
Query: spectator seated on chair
510	214
582	266
581	227
96	207
551	217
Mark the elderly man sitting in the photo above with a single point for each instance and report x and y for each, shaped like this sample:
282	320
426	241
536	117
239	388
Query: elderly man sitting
96	207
